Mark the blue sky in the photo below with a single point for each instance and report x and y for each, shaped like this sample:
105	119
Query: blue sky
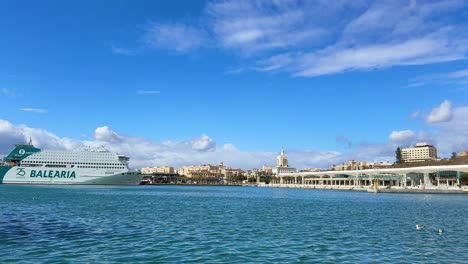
188	82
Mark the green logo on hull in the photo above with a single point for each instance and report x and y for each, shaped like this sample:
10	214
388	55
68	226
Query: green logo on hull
52	174
20	172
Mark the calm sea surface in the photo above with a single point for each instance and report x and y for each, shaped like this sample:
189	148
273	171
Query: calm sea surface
158	224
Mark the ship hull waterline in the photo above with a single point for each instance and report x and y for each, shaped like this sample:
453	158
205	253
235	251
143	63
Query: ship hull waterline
22	175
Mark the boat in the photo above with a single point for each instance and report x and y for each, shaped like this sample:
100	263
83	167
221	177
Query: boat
27	164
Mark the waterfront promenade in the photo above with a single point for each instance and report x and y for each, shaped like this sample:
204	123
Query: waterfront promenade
428	179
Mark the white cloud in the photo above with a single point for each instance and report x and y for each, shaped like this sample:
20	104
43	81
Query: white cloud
104	133
12	134
9	134
177	36
229	147
451	134
403	137
147	92
34	110
442	113
142	152
446	130
203	143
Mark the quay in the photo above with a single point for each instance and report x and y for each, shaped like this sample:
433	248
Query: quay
159	178
427	179
176	179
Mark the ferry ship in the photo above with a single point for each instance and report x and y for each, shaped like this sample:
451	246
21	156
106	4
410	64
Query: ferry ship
27	164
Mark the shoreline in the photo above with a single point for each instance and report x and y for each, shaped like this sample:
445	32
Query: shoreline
393	189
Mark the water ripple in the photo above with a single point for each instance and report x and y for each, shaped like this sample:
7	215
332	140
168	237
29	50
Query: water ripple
193	224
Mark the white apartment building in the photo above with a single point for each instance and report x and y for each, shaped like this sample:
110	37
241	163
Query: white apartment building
420	152
158	169
204	169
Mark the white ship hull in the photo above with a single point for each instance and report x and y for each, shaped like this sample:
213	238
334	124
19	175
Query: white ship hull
37	175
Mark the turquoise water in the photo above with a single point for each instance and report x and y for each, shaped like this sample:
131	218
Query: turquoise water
158	224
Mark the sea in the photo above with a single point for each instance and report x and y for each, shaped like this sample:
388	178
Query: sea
221	224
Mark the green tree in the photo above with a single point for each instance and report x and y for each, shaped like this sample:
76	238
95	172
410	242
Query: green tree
454	156
399	157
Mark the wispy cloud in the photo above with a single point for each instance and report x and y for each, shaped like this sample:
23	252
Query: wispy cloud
8	92
34	110
123	51
459	74
176	36
415	114
147	92
458	78
256	26
425	50
306	39
234	71
311	38
276	62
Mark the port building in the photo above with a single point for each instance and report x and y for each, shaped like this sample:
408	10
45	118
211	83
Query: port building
282	165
